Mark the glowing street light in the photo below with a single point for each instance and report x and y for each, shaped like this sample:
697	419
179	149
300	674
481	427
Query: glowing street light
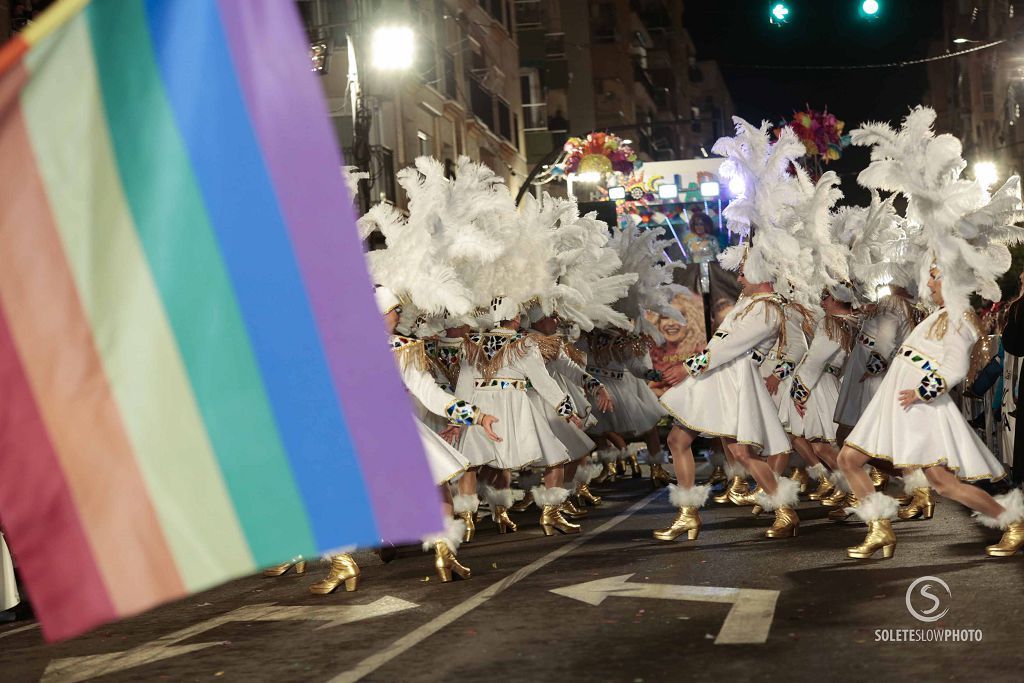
870	8
985	173
779	13
392	48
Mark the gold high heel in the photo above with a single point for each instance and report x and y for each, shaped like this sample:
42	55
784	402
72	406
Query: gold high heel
879	479
607	474
524	504
717	476
659	477
1010	543
551	520
687	521
800	476
748	498
921	505
467	517
737	487
281	569
505	523
445	563
880	537
840	514
786	524
835	499
344	570
825	488
567	508
584	494
634	466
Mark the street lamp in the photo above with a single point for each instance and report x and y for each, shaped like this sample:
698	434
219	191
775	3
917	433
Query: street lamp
985	173
392	48
961	41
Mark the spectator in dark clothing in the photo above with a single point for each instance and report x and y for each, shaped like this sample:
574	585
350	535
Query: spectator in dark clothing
1013	343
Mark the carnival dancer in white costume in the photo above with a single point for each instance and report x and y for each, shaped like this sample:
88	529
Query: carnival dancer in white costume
912	422
720	391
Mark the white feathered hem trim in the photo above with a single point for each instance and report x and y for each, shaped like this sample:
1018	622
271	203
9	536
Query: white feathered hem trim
735	470
545	496
838	480
607	455
688	498
499	497
876	506
586	472
1013	502
787	494
914	479
468	502
453	533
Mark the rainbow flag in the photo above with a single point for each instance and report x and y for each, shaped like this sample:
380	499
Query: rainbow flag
194	380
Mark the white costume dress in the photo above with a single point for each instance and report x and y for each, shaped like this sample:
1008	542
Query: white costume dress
932	360
725	394
789	351
445	462
571	379
8	587
501	369
622	363
874	347
816	379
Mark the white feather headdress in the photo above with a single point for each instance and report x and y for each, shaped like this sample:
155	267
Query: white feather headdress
879	248
654	289
963	229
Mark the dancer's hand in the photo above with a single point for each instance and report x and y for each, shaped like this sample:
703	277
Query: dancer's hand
675	374
908	397
576	421
451	433
800	408
604	401
773	384
488	422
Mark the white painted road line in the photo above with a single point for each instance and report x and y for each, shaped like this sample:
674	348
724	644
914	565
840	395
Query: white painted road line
418	635
27	627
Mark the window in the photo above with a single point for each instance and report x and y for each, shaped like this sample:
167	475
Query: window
426	149
504	120
528	13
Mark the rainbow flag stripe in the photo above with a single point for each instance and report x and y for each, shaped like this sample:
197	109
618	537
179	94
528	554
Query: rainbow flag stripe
196	381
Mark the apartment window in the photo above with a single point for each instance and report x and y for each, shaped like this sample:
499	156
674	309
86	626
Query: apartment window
528	13
481	101
535	109
554	45
988	102
423	143
504	120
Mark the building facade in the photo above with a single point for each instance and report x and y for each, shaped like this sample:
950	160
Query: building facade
979	96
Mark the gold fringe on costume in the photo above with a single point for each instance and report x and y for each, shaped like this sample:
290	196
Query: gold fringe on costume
772	303
839	328
408	350
900	305
606	348
573	354
513	349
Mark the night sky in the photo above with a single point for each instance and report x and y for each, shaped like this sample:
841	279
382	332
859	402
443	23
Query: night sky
737	32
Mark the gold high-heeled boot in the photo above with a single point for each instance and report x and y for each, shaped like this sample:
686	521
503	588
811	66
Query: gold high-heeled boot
835	499
584	493
717	476
737	488
921	505
620	466
799	475
687	520
1011	542
524	504
840	513
551	519
912	480
281	569
567	508
344	570
880	537
659	477
505	523
877	511
445	563
825	489
501	500
465	507
748	498
634	466
879	479
786	523
607	473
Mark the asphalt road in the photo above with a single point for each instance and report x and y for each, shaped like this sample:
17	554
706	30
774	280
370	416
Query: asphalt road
701	610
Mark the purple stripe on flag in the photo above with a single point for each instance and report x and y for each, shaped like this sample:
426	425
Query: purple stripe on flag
301	154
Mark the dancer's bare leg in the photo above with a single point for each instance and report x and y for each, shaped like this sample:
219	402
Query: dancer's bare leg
554	477
467	483
827	454
947	485
777	463
758	467
680	440
805	450
851	464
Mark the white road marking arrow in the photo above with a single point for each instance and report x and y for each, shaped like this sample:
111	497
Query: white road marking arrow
73	669
749	620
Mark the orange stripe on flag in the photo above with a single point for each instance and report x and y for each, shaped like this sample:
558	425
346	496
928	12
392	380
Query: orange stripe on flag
58	352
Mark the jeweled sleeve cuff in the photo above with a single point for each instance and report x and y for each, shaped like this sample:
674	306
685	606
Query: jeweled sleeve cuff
591	385
931	387
462	413
876	365
566	408
799	391
784	369
698	363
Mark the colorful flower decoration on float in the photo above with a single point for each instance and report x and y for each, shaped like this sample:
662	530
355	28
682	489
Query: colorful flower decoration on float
820	132
599	153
